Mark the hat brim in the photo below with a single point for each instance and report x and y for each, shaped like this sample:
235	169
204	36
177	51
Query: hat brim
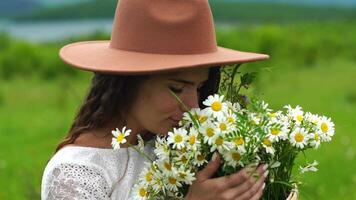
97	56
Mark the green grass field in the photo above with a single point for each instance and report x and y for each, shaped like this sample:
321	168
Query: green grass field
313	66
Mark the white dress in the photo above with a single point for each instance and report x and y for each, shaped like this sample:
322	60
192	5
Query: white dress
92	173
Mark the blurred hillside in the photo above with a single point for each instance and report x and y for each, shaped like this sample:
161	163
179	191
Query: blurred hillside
223	10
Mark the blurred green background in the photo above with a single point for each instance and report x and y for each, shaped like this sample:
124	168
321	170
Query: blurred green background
312	45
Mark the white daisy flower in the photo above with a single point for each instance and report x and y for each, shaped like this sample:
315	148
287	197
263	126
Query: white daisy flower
296	114
178	138
193	142
255	118
274	116
312	118
267	145
215	106
326	128
314	140
231	118
199	115
157	184
140	192
233	157
224	125
172	182
181	158
162	149
220	144
199	159
185	176
239	142
209	132
309	167
233	107
299	138
166	166
119	137
277	132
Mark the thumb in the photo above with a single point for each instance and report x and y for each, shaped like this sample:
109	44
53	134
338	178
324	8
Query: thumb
210	168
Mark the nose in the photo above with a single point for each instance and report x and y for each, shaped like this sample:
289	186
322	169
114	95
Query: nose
191	100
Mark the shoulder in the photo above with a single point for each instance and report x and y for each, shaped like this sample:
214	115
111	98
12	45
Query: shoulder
78	171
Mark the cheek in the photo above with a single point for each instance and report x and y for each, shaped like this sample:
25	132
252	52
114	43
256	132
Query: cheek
165	106
153	112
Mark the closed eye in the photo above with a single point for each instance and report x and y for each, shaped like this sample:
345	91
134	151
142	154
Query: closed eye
176	90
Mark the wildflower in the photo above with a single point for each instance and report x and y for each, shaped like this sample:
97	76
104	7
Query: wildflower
299	138
177	137
215	106
119	137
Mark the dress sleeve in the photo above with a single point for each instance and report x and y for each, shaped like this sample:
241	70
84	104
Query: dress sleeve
72	181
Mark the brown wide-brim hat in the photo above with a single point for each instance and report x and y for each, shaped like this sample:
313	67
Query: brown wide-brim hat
156	35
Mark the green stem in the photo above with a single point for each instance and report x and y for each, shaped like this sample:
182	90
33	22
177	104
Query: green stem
140	152
196	124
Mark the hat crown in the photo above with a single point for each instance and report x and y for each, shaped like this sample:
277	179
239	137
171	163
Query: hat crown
164	27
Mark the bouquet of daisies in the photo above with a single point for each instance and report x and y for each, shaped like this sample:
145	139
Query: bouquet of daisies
242	136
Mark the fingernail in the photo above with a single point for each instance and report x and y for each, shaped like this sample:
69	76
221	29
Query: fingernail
265	166
215	155
265	174
263	186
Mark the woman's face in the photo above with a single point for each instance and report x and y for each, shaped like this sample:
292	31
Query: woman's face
156	110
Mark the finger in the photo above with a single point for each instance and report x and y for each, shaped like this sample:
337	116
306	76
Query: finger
210	168
248	184
252	191
259	194
240	177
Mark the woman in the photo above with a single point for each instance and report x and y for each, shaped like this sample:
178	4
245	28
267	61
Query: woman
156	47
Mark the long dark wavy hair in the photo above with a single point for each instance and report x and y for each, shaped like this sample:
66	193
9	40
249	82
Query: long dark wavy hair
112	95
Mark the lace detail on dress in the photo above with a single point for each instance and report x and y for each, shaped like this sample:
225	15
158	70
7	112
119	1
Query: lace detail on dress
74	181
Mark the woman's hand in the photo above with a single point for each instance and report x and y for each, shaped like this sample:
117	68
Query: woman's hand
238	186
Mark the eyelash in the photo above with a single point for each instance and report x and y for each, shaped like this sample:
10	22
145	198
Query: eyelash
176	90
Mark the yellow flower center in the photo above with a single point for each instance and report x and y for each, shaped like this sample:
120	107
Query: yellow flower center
184	150
231	120
142	192
223	126
300	118
148	177
168	166
275	131
219	141
202	119
120	137
182	175
172	180
324	127
267	142
184	159
216	106
272	115
200	157
192	139
178	138
299	137
239	141
236	156
316	137
210	132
